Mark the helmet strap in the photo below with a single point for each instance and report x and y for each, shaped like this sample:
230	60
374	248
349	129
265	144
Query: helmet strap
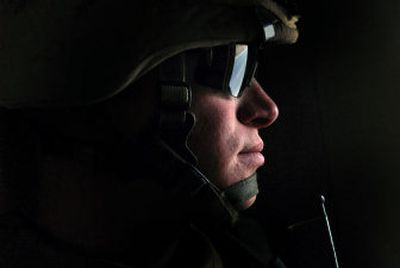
205	206
241	191
175	121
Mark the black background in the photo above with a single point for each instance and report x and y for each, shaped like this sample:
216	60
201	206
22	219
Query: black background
338	134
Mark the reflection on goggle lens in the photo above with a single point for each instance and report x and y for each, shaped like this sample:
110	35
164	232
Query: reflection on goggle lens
239	69
228	69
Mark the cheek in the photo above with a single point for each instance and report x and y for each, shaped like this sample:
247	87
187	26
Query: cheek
213	141
215	150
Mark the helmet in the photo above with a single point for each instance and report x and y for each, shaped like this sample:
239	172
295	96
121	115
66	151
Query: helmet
79	52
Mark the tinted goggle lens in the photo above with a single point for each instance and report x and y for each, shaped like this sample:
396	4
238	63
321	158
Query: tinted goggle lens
226	68
239	70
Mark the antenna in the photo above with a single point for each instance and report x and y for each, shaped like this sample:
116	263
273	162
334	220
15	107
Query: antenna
329	231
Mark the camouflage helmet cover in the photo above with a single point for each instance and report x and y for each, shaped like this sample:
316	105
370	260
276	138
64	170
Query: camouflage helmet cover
76	52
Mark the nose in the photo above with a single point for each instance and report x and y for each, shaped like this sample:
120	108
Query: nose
256	108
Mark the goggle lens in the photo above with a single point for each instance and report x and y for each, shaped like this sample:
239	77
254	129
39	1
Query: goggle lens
228	69
239	70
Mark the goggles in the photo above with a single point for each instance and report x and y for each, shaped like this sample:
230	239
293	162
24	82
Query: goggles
228	68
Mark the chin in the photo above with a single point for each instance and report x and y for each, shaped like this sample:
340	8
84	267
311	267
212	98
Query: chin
248	203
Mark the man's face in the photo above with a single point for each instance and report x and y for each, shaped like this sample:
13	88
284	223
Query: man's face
225	138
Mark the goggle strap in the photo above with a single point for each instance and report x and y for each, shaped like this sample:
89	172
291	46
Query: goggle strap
175	94
175	97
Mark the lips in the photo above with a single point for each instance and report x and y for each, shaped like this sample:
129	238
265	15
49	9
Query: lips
251	155
257	148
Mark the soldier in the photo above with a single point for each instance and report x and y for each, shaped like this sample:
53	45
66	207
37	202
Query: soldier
131	131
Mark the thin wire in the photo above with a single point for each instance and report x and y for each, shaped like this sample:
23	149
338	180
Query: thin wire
329	231
299	224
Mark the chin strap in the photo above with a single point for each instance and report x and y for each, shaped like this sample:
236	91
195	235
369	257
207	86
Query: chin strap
202	202
241	191
207	206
